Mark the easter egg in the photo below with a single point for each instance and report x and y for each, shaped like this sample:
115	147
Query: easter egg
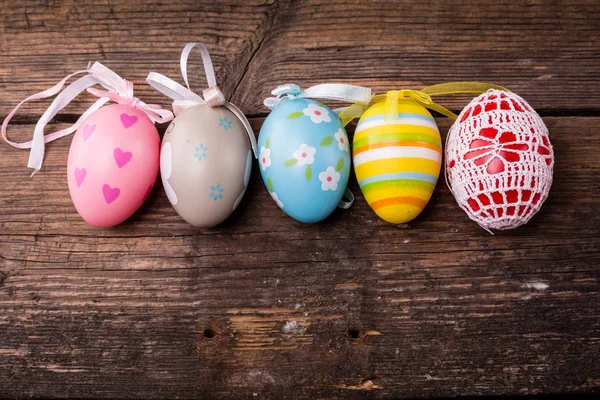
205	164
113	164
499	160
304	158
397	161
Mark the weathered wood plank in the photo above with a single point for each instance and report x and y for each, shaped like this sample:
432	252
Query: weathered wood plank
543	50
535	48
349	307
42	42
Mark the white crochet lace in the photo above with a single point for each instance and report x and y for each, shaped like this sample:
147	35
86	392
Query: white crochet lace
499	160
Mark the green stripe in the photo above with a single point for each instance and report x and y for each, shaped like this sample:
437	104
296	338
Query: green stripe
397	184
396	137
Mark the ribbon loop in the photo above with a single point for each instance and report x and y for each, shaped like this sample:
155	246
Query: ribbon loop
347	200
423	97
351	112
118	90
391	105
206	60
417	95
360	96
393	96
183	97
461	88
338	91
287	88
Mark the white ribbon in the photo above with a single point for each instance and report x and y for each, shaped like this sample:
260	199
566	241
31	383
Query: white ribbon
118	89
183	97
328	91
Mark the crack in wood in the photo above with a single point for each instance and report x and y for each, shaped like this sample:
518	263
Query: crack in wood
270	25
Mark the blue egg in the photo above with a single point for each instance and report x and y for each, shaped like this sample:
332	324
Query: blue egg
304	158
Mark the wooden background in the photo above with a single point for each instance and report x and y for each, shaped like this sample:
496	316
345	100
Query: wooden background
263	306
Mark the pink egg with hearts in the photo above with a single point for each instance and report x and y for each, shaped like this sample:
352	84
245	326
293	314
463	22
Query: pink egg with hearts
113	164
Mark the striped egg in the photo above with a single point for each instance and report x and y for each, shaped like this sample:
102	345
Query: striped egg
397	162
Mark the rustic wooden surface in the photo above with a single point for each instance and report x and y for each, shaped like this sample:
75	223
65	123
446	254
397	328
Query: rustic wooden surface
263	306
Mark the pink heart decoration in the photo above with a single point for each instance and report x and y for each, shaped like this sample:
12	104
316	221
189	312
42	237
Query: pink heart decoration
128	120
79	176
122	157
110	194
87	131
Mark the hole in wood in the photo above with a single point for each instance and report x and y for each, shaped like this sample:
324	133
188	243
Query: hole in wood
354	333
209	333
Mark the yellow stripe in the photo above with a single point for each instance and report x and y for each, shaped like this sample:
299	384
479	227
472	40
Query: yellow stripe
395	165
395	128
398	214
404	106
377	195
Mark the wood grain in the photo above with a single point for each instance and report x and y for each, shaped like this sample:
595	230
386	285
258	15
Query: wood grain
536	48
352	305
263	306
44	41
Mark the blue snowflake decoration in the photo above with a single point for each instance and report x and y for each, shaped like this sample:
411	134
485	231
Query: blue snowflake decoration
216	192
201	152
225	123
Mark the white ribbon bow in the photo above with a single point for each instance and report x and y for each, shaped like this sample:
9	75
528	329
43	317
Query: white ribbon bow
118	89
329	91
183	97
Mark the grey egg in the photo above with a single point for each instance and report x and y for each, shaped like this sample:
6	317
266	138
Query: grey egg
205	164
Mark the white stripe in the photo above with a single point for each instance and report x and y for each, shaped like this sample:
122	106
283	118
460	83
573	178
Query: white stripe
402	121
397	152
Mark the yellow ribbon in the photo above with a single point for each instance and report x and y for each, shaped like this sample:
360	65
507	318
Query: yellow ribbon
422	97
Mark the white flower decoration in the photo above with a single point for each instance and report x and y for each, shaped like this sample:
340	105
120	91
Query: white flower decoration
276	198
329	179
264	158
342	140
317	114
305	155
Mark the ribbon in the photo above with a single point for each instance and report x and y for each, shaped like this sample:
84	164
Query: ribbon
422	97
118	89
347	200
183	97
358	95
